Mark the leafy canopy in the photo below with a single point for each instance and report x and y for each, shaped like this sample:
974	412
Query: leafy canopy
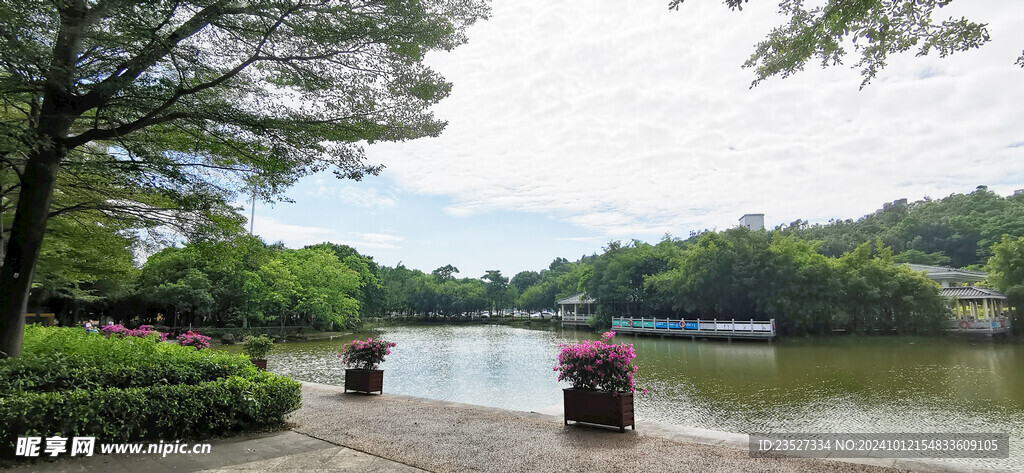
873	29
189	96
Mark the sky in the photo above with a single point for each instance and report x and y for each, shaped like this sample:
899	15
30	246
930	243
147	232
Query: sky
573	124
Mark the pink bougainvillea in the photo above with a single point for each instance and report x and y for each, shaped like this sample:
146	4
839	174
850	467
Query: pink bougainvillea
365	354
598	365
194	339
144	331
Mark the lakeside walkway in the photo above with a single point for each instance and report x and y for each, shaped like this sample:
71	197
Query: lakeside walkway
444	436
341	432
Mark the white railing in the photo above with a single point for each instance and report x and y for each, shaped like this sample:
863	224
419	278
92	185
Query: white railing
696	326
998	324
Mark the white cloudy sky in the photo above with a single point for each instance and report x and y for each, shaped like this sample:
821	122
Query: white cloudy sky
575	123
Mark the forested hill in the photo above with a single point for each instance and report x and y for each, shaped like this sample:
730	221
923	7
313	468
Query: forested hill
957	231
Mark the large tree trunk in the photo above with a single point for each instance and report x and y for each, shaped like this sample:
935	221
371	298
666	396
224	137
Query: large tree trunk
26	239
57	112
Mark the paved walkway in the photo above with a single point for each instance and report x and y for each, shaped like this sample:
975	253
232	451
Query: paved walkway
341	432
450	437
284	451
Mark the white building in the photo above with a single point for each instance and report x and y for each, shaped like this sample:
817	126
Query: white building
752	221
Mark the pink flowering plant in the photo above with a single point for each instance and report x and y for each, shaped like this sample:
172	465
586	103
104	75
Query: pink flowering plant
194	339
365	354
144	331
598	365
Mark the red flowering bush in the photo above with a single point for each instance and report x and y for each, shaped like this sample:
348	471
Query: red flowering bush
365	354
598	365
194	339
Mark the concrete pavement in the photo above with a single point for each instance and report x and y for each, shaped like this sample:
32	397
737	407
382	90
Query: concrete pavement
334	431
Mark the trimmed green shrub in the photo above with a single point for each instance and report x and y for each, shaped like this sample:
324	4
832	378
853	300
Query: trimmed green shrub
177	411
257	347
62	359
71	383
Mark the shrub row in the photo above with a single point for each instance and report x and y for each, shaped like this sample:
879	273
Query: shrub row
178	411
71	383
59	372
65	359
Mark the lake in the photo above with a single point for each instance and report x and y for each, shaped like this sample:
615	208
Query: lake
842	384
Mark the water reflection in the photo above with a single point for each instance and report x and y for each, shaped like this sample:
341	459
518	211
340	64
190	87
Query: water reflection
847	384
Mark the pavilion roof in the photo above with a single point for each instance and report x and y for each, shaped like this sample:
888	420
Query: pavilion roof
971	292
581	298
943	273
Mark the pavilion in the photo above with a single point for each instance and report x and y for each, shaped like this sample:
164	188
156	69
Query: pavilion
975	309
575	310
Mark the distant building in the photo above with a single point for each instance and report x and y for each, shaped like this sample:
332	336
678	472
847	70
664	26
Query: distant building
1018	192
896	204
752	221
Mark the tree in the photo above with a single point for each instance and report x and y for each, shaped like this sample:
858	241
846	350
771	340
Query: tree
1006	271
221	94
445	272
874	28
371	292
618	278
324	288
497	289
523	280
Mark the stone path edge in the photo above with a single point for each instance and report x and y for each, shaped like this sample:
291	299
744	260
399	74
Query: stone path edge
676	433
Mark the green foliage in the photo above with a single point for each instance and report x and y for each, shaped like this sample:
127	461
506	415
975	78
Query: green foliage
68	382
243	281
958	230
743	274
617	281
371	295
205	409
257	347
162	111
496	290
873	28
1006	270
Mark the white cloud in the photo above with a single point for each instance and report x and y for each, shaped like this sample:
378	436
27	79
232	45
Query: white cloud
298	236
354	193
626	119
378	240
293	236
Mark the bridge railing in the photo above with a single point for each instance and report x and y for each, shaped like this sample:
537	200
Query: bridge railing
759	327
997	324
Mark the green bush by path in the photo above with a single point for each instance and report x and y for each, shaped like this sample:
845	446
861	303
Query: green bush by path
70	383
63	359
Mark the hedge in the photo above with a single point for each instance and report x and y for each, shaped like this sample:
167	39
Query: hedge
59	372
70	383
176	411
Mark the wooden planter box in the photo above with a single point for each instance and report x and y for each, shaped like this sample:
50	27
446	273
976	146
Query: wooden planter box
260	364
602	408
364	381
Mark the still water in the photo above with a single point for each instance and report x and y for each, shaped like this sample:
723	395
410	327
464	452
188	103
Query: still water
847	384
